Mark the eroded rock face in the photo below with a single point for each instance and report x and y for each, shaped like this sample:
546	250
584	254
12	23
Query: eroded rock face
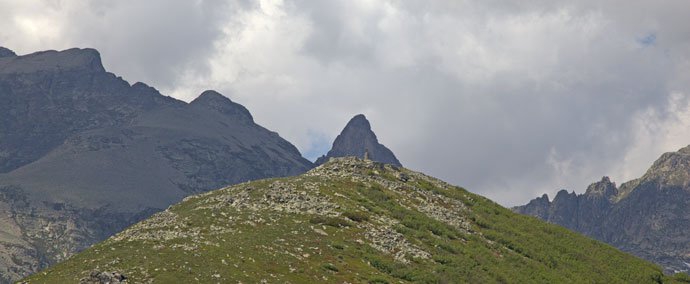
648	217
48	96
356	139
86	154
34	235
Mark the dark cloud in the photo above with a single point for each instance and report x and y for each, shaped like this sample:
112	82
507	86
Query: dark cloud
508	98
151	41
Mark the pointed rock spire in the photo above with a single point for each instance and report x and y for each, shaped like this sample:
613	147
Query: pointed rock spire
357	139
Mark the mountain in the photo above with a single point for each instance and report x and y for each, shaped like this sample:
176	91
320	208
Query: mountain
84	154
348	221
4	52
356	139
648	217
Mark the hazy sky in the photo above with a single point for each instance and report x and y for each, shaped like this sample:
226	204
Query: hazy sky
510	99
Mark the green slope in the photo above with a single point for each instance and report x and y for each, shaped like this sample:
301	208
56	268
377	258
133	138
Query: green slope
350	221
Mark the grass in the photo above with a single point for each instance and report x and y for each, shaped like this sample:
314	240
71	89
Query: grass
501	247
357	216
330	221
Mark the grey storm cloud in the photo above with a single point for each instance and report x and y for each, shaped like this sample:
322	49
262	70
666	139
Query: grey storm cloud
148	41
510	99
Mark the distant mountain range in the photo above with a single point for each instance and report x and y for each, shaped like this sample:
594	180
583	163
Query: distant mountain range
84	154
348	221
648	217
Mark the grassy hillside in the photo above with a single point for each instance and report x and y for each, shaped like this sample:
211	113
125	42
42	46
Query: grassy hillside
350	221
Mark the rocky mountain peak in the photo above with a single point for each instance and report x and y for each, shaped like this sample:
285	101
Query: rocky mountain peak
603	188
143	86
356	139
213	100
543	200
563	194
536	207
671	169
74	59
358	122
685	150
5	52
647	216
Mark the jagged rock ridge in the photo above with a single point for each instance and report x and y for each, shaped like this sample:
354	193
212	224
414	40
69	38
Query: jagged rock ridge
356	139
648	217
350	221
84	154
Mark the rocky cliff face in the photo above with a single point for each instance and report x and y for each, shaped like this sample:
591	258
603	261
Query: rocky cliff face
83	154
356	139
648	217
348	221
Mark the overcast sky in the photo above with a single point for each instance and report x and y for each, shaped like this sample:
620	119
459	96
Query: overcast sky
510	99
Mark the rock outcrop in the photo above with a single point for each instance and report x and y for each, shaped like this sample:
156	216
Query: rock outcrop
84	154
356	139
98	277
648	217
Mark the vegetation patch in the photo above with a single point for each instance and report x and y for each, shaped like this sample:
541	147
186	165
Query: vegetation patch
357	216
330	221
331	267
